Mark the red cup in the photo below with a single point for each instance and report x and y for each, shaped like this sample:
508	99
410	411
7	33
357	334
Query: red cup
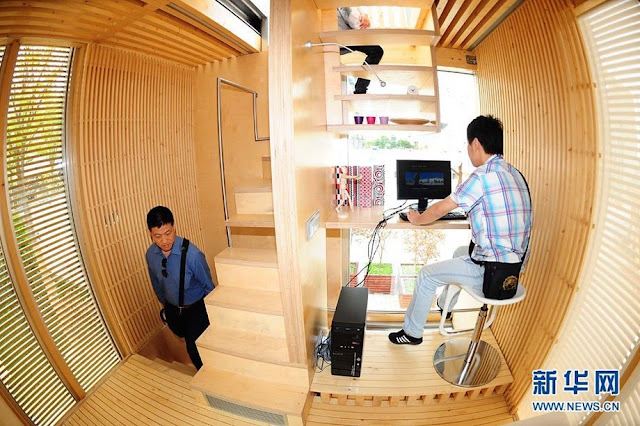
371	120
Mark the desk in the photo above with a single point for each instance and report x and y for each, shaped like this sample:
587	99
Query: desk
369	217
338	241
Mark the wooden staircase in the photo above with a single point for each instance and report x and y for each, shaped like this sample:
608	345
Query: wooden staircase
245	351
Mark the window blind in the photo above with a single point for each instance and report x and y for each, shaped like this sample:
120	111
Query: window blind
603	325
25	370
41	216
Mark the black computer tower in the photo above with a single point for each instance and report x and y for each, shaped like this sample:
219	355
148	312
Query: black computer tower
347	331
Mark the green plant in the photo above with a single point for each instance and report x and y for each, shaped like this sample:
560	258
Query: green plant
380	269
408	285
353	268
410	269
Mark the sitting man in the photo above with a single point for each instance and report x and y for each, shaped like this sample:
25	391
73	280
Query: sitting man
497	201
350	18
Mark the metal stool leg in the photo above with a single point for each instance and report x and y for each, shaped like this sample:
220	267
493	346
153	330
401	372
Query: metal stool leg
468	362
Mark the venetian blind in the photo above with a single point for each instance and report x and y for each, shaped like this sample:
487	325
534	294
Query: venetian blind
603	325
41	217
25	370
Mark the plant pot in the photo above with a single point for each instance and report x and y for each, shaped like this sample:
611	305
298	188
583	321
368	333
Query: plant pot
379	283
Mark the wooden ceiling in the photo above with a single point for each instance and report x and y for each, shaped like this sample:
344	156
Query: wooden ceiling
174	30
464	22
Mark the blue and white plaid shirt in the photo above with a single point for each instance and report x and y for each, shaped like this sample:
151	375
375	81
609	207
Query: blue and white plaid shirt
498	205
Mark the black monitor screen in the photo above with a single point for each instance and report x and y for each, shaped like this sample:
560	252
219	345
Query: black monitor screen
422	179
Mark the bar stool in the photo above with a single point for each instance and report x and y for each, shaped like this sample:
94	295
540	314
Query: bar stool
471	362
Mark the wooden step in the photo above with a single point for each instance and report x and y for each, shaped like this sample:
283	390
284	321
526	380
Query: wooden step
333	4
249	391
364	97
251	221
346	128
272	325
243	343
252	300
374	36
175	369
248	268
254	198
417	75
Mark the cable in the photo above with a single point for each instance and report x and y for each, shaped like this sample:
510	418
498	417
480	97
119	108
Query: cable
309	45
322	352
374	243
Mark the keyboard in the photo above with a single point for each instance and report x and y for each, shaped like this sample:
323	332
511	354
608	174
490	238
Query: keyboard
452	215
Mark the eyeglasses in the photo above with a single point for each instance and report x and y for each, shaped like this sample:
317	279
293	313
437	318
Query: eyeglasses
164	267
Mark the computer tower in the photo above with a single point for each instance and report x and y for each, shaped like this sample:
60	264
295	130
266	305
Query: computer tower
347	331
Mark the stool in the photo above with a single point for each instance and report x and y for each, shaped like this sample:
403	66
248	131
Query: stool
471	362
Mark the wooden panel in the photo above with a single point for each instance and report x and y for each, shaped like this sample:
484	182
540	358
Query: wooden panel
332	4
380	37
158	28
455	58
537	81
127	160
369	218
298	140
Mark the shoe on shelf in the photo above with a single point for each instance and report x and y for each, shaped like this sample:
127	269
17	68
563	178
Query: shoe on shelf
402	338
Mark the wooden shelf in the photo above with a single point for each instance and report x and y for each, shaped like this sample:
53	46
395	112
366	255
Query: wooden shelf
251	221
333	4
418	75
385	36
364	97
344	128
362	217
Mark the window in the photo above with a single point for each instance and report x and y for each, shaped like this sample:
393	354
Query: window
49	258
402	252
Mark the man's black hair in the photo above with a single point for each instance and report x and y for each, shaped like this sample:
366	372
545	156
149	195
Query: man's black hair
159	216
488	130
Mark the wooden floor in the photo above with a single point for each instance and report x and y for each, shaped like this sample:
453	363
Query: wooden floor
483	411
400	374
145	392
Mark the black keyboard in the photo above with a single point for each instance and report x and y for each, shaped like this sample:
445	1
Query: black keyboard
454	215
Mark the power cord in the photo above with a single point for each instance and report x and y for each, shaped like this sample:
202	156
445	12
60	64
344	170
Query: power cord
322	353
374	243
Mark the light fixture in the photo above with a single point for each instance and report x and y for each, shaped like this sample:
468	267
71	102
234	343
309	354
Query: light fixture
310	45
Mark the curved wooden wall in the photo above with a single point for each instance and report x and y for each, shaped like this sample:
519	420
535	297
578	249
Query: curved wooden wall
534	75
132	148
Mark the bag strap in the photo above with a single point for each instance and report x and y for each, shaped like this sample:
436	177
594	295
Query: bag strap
524	255
183	264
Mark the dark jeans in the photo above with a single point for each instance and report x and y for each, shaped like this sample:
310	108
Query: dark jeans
190	324
374	55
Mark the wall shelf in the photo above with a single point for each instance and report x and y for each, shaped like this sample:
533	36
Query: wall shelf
333	4
345	128
418	75
362	217
364	97
381	37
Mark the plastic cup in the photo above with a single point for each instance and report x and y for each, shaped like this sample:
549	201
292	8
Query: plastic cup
358	119
371	120
384	120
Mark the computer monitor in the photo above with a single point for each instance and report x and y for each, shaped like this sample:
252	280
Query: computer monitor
423	180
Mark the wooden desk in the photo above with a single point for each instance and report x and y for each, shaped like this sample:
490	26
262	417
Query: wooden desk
369	218
338	241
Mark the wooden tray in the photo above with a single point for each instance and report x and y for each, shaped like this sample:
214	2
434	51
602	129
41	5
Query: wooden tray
410	121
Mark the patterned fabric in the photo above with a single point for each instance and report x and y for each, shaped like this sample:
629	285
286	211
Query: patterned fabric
496	199
378	185
364	187
353	185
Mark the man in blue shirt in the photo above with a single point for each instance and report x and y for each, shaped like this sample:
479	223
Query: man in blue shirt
163	261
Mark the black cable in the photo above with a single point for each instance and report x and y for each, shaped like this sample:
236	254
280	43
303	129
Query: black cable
323	352
374	242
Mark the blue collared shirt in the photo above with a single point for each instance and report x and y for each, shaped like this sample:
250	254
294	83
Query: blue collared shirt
197	276
499	209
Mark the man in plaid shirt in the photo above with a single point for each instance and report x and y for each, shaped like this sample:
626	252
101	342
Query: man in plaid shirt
498	205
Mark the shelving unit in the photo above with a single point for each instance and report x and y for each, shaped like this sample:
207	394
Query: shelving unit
346	128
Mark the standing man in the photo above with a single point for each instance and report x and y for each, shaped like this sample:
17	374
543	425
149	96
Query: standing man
163	260
350	18
497	201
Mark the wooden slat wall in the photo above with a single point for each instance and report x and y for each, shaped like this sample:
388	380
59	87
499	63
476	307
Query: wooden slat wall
132	149
533	74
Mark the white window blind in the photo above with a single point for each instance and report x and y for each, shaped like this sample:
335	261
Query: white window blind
24	368
603	324
41	216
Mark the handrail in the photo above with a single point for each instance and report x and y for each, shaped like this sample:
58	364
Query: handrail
257	138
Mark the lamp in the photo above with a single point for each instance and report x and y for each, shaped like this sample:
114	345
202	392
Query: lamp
310	45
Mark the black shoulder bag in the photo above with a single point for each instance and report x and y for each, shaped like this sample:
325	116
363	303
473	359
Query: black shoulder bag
501	279
169	314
